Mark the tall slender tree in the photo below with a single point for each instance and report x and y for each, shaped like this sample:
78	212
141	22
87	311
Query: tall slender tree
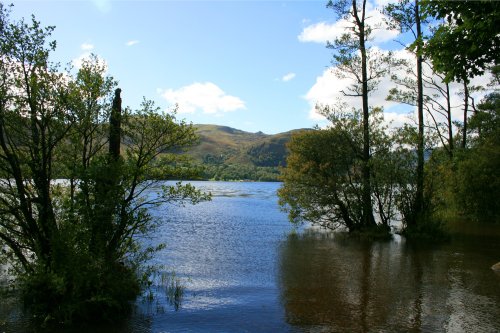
437	100
352	58
405	16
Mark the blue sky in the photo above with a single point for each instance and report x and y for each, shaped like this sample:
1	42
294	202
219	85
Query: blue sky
252	65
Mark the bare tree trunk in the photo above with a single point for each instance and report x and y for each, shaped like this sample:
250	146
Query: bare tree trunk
450	124
107	185
419	197
466	109
115	126
368	219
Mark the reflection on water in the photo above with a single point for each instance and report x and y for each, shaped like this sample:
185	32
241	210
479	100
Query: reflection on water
245	269
226	253
328	281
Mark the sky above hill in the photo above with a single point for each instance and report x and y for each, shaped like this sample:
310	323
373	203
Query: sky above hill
253	65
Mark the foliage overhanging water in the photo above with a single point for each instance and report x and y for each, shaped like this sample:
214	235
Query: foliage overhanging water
245	269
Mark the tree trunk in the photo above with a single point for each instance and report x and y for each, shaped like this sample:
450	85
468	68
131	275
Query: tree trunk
466	109
419	196
368	219
115	126
450	123
107	185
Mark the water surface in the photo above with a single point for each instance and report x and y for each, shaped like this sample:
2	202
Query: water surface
246	269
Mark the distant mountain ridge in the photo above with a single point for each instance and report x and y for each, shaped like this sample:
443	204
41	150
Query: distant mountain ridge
227	153
227	145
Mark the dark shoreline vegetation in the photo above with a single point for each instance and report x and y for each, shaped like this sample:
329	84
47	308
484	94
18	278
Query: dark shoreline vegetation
74	250
358	174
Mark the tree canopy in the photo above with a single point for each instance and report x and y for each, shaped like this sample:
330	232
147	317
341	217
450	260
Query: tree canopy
74	245
403	172
322	181
467	43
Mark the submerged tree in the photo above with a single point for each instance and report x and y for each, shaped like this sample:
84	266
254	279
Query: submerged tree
354	59
323	173
341	176
405	16
75	246
323	178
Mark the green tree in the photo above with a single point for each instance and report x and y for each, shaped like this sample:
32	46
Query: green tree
466	44
437	103
75	247
405	16
33	121
354	59
90	98
477	168
323	177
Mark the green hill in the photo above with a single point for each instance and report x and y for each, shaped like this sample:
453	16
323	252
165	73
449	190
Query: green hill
230	154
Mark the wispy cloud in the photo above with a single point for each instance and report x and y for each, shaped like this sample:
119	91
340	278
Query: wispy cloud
288	77
132	42
328	89
207	97
322	32
87	46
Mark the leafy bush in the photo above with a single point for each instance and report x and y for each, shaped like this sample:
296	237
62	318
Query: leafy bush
75	245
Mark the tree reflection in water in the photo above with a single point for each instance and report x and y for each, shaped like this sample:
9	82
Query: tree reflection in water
329	281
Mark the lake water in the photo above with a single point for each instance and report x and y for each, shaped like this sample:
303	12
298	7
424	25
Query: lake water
246	269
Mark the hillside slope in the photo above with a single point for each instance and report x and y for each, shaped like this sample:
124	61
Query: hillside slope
229	154
221	144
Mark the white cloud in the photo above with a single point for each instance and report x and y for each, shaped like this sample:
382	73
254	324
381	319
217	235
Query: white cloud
380	3
328	89
77	62
456	91
380	33
132	42
398	119
207	97
288	77
323	32
87	46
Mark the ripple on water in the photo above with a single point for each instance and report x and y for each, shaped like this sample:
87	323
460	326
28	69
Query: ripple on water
244	270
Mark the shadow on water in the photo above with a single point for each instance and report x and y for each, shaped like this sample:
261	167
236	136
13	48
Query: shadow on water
239	268
13	320
333	283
